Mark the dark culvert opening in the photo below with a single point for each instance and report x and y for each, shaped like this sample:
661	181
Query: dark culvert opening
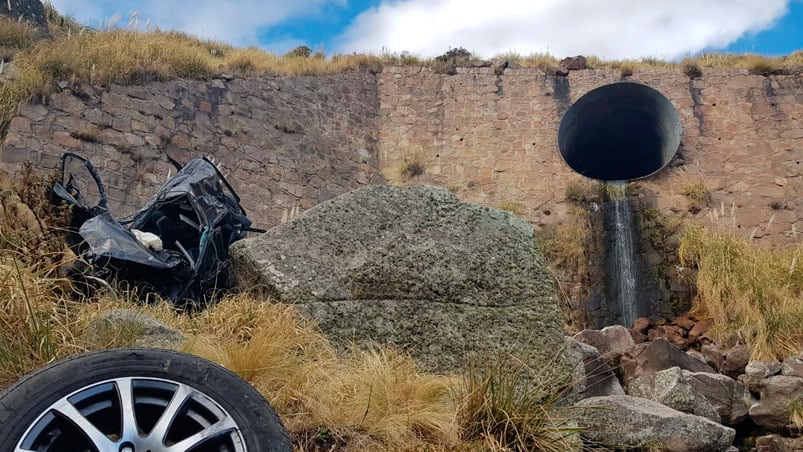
621	131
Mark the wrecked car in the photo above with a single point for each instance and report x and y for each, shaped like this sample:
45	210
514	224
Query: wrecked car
177	246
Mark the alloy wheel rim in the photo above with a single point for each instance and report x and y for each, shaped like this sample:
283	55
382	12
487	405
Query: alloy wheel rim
134	414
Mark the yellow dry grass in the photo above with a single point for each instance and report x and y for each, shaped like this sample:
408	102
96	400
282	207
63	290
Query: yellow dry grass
375	400
749	290
14	36
543	61
568	247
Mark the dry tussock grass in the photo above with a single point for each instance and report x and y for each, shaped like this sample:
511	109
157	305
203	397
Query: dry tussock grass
15	35
120	56
753	291
376	396
569	245
756	64
511	407
376	399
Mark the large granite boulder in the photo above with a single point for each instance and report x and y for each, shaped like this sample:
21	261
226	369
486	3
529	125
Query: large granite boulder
416	268
729	397
671	388
632	422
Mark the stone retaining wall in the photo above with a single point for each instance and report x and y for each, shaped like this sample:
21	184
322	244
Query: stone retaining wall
288	143
493	139
285	143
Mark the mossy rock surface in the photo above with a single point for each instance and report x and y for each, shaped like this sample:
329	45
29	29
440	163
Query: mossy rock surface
416	268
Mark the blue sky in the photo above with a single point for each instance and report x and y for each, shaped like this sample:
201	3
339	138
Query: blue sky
610	29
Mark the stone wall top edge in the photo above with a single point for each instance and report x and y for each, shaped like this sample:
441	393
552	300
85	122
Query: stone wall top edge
674	71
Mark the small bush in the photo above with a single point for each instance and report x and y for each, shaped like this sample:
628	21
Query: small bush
627	69
413	166
760	65
60	25
15	35
568	246
691	69
299	52
614	190
579	192
458	55
543	61
696	191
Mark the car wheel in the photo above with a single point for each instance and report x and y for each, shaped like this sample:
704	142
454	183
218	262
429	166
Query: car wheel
137	400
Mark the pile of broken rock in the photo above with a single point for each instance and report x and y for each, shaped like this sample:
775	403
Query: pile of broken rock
655	394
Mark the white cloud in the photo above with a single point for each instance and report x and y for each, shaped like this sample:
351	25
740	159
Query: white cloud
611	29
238	22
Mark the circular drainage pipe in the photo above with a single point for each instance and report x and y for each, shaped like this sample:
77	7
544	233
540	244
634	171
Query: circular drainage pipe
621	131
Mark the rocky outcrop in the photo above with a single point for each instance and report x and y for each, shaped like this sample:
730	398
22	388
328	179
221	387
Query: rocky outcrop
780	396
777	443
574	63
764	397
594	377
671	388
729	397
757	371
416	268
633	422
611	342
651	357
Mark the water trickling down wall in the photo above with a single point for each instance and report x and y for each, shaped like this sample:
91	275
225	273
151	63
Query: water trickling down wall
616	133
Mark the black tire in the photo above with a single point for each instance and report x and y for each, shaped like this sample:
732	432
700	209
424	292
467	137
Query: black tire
52	409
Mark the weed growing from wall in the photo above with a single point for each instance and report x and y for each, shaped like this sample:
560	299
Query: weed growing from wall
413	166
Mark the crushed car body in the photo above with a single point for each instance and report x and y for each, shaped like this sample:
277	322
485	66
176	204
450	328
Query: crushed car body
177	246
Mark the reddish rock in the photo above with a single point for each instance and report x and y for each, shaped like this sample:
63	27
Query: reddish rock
656	333
684	322
770	443
638	337
777	443
574	63
675	335
712	356
700	328
651	357
642	324
735	361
